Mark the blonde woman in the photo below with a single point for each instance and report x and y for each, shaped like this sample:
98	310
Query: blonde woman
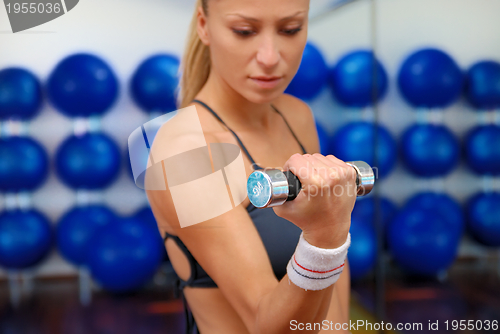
251	275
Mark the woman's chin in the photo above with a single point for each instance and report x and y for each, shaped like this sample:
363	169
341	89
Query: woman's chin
263	97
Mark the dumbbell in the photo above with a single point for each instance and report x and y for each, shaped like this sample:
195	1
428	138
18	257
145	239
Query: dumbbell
272	187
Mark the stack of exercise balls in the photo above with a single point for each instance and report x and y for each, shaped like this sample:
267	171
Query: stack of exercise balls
357	81
121	253
153	88
430	79
425	235
482	151
25	233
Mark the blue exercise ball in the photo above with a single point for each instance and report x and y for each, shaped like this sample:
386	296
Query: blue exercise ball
91	161
24	164
82	85
354	81
356	141
430	78
482	149
20	94
146	216
364	210
482	85
447	207
483	223
124	255
421	241
154	83
311	76
362	253
76	228
25	238
429	150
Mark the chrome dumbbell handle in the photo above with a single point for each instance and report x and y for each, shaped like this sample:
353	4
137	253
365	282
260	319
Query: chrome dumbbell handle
271	187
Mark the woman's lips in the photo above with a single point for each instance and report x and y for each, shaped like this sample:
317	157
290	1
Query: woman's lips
264	82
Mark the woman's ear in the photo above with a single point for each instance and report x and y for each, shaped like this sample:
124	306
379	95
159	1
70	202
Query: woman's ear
202	26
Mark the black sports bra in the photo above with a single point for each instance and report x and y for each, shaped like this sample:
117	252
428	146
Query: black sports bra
280	238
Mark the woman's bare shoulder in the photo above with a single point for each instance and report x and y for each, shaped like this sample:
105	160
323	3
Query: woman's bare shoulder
301	119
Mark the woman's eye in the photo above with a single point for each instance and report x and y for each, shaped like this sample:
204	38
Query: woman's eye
243	32
292	31
246	33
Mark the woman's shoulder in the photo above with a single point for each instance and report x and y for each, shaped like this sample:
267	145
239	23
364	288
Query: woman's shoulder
301	119
290	102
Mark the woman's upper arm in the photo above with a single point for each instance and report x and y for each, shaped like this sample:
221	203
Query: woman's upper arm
229	249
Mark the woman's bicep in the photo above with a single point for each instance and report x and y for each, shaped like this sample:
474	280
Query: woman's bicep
230	250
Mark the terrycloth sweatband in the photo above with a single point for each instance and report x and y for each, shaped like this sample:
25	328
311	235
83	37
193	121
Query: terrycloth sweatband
314	268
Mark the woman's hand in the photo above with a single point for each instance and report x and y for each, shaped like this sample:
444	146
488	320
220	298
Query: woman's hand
324	205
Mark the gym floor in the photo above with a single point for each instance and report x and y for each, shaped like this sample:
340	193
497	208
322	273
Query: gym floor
469	291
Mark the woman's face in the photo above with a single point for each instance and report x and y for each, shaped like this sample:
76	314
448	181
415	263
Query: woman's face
255	45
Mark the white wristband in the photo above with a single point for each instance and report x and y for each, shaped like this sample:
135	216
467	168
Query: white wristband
314	268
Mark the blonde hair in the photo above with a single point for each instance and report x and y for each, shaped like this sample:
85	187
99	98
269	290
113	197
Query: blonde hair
195	63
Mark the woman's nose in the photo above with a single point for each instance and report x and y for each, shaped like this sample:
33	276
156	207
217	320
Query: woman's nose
268	54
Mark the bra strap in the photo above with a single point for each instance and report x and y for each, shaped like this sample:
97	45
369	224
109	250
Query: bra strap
202	282
297	139
190	257
180	284
235	135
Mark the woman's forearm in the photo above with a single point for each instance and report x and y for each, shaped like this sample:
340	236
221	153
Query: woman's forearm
288	302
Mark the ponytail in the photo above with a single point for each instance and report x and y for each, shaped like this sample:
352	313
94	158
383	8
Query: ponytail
195	63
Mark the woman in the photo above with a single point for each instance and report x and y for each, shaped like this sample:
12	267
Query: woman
240	57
